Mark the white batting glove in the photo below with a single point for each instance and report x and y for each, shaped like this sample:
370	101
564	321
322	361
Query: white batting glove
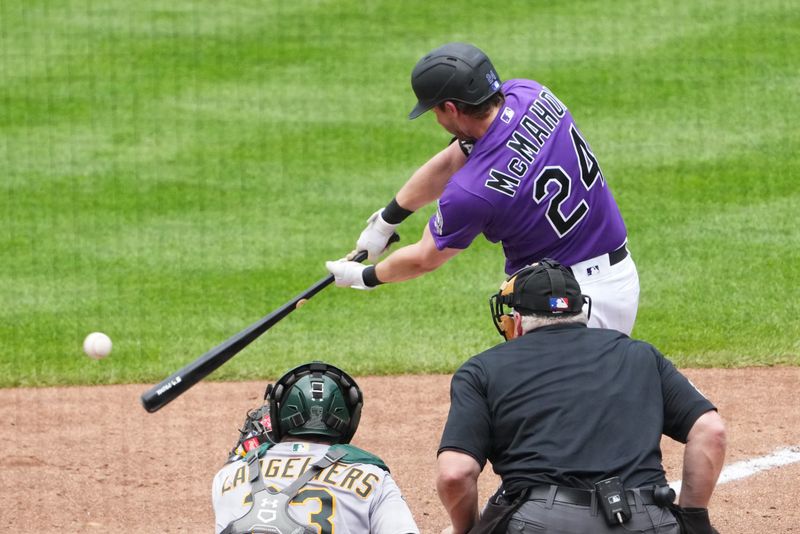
375	237
347	273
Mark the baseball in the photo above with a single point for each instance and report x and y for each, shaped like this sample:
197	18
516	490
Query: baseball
300	303
97	345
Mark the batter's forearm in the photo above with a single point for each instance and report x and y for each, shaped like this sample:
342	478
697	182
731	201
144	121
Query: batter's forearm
428	182
420	190
414	260
404	264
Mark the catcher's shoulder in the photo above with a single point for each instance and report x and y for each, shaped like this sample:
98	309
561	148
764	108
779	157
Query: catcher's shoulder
354	455
238	454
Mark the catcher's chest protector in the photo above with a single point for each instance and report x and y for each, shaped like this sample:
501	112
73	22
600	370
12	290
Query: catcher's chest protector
270	511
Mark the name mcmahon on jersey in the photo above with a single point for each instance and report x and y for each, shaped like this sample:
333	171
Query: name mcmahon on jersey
535	127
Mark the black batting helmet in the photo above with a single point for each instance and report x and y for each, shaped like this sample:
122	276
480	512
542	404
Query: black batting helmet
455	71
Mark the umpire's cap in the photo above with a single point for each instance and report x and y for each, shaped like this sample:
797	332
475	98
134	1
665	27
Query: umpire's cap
544	288
455	71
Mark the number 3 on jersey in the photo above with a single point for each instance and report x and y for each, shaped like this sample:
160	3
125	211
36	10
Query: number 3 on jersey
322	519
590	172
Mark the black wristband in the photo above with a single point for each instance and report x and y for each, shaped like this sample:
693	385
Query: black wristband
369	277
393	213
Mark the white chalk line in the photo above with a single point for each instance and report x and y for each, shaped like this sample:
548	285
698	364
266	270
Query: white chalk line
746	468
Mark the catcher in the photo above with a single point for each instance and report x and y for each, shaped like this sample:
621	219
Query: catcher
293	471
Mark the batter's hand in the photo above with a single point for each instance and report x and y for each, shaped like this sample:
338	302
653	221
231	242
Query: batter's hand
347	273
375	237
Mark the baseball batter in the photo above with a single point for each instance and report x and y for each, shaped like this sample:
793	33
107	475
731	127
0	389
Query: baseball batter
520	172
314	411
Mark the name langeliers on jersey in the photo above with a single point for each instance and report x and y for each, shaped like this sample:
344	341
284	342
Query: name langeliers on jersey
548	110
354	480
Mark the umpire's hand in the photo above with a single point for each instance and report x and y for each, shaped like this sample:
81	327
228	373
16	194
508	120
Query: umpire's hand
694	520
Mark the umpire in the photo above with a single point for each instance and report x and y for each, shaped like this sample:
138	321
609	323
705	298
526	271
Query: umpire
571	419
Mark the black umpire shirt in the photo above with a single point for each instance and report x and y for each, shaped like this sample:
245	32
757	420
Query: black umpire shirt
570	405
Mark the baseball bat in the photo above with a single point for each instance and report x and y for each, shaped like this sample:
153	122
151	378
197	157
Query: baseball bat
178	382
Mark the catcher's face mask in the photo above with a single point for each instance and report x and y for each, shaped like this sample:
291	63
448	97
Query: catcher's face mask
546	288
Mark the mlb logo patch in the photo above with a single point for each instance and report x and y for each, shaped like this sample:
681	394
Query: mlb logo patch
507	115
559	304
299	447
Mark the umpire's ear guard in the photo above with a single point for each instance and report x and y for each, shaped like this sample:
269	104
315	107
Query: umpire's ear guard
502	319
507	327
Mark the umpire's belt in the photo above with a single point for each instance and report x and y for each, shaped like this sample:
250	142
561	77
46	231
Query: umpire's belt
581	497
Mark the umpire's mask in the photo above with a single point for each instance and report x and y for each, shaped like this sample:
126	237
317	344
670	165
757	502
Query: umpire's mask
546	288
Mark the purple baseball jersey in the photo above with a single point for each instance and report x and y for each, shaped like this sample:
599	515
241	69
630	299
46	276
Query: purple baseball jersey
533	183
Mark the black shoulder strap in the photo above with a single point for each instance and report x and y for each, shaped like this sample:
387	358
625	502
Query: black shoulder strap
257	481
254	470
330	458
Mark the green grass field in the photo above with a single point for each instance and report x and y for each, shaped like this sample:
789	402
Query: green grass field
172	171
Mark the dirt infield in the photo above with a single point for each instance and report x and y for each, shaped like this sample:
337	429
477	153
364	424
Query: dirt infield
92	460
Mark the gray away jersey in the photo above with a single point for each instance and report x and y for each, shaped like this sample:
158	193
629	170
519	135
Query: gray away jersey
354	498
533	183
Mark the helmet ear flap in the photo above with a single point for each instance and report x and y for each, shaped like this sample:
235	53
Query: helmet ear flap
275	393
354	399
353	396
274	432
355	417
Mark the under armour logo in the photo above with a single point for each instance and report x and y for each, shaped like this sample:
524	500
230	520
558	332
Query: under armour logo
264	514
593	269
267	502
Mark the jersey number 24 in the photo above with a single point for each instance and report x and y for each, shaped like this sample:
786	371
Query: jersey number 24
590	172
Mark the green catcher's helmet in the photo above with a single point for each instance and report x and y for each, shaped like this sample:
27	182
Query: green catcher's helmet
315	399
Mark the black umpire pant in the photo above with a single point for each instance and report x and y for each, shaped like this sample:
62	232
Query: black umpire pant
553	515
